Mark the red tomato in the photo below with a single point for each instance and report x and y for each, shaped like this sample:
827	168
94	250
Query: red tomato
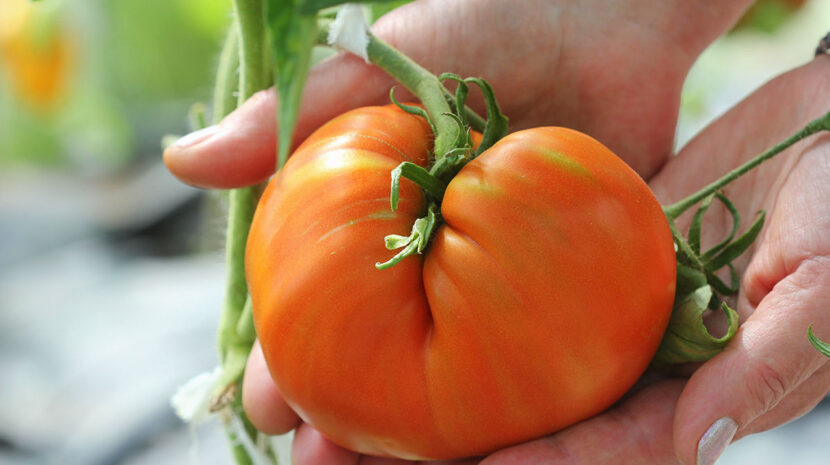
540	302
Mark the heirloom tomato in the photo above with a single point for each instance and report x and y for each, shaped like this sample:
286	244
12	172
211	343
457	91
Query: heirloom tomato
540	300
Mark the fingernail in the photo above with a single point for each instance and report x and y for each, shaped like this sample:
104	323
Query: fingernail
715	440
195	137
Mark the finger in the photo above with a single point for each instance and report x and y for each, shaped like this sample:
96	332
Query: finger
370	460
311	448
468	461
745	131
637	432
769	358
795	405
263	404
241	150
235	153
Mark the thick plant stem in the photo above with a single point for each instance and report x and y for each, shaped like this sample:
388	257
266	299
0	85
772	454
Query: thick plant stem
376	55
234	346
424	85
240	213
677	209
227	77
251	35
252	56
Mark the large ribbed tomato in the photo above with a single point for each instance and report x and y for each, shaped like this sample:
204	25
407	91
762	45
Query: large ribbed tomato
540	301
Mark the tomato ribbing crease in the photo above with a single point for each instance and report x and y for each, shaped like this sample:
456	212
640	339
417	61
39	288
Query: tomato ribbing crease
536	281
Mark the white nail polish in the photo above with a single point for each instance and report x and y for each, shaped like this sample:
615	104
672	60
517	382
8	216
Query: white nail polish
195	137
715	440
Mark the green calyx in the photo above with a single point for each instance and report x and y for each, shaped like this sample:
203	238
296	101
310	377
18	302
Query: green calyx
416	242
698	287
451	121
687	338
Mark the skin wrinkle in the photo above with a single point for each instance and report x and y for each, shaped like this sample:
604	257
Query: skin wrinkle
773	268
798	403
754	334
643	438
567	454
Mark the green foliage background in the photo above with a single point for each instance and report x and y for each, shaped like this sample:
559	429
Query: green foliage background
135	68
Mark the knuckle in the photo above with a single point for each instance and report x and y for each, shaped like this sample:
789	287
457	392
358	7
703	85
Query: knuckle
768	386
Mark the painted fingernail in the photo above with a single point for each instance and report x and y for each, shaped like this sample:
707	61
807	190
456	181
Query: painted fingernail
715	440
195	137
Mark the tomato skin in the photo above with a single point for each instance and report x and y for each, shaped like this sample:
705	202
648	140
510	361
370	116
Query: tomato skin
540	302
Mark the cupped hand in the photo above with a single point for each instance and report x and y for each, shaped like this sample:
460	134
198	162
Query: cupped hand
768	375
610	69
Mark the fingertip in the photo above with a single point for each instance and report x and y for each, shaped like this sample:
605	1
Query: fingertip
263	403
701	415
311	448
238	152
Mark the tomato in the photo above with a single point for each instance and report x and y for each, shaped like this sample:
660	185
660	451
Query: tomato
541	300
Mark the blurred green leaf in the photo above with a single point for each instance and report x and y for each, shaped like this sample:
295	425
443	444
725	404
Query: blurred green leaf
293	36
768	15
379	9
313	6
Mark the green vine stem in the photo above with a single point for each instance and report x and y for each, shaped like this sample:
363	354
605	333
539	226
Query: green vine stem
698	287
820	345
227	77
450	121
251	34
817	125
475	120
424	85
247	42
253	59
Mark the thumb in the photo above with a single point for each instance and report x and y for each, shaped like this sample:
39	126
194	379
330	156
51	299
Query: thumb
241	150
768	375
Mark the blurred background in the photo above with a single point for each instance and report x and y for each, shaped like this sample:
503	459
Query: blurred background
111	272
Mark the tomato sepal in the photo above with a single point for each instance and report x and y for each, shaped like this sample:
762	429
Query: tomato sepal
415	243
687	339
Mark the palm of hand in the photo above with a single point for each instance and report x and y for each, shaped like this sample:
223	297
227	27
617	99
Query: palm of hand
785	283
551	63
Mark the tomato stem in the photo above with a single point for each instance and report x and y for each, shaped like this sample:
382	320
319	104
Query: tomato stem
474	119
253	69
227	78
431	184
698	286
817	125
424	85
234	339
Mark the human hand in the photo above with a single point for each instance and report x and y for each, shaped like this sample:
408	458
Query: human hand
610	69
769	373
